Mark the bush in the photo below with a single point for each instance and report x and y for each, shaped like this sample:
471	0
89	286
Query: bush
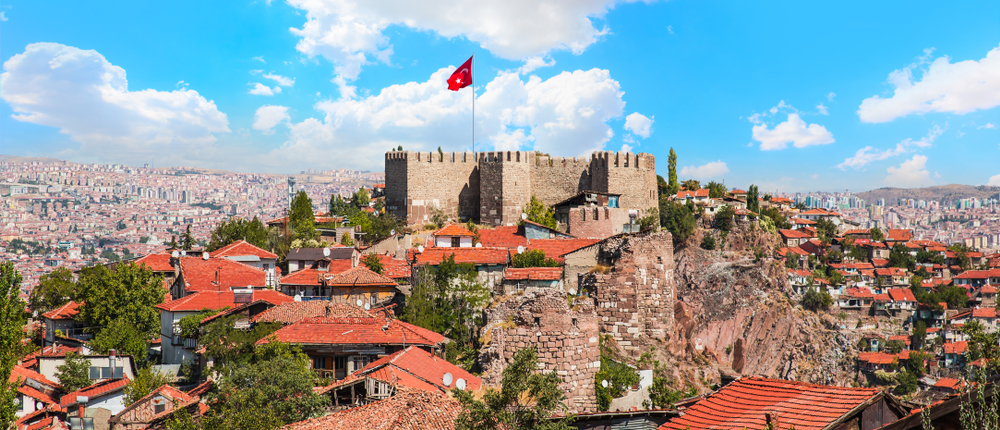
724	218
815	300
708	242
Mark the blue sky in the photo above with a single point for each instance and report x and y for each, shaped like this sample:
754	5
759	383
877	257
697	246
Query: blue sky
792	96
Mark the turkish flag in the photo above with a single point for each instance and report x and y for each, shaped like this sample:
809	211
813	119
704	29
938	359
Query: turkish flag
462	77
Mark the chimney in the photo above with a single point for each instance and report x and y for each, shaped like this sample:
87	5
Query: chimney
81	402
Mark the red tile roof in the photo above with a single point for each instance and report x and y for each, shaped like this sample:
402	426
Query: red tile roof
743	403
979	274
794	234
358	277
407	410
948	383
242	248
96	390
890	271
533	274
902	295
880	262
304	277
435	256
876	357
899	235
218	300
159	262
956	347
984	313
502	237
64	312
293	312
394	268
354	331
23	373
695	193
556	248
202	274
802	221
859	292
37	395
426	367
201	389
454	230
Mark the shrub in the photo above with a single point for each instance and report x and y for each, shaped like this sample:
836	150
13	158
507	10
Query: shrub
708	242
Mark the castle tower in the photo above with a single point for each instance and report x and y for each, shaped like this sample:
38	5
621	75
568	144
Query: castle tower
418	182
505	185
631	175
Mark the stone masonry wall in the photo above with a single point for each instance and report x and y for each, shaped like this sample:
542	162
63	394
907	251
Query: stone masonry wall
565	337
631	175
417	180
636	299
556	179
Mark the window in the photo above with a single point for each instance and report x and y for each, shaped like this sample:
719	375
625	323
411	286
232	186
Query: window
95	372
340	362
583	214
538	321
456	242
319	362
596	214
612	201
159	408
358	362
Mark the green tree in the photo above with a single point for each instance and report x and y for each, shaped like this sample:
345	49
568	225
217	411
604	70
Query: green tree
982	344
899	256
672	186
253	231
678	219
123	336
231	347
775	215
691	185
716	190
525	401
533	258
876	234
12	320
539	213
74	373
267	394
753	202
301	219
144	383
53	290
826	230
373	263
361	198
661	186
338	206
724	218
708	242
618	377
961	255
346	240
187	240
129	293
815	300
919	334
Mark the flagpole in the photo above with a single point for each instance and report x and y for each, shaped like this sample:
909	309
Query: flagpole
473	104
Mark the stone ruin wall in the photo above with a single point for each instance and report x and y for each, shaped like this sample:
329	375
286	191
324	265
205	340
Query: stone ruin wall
494	186
565	337
636	299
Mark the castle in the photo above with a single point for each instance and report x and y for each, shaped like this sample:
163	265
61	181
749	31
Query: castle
493	187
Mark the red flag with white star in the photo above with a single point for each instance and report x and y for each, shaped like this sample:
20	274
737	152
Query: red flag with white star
462	77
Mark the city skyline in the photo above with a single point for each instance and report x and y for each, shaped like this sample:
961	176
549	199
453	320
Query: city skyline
285	87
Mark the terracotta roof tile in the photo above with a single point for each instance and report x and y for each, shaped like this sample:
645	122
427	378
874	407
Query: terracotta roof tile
218	300
242	248
304	277
96	390
743	403
453	230
899	235
202	274
394	268
533	274
37	395
435	256
902	295
358	276
502	237
426	367
21	372
956	347
159	262
64	312
354	331
293	312
794	234
407	410
556	248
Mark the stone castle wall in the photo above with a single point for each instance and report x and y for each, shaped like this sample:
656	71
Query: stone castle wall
565	337
636	299
493	187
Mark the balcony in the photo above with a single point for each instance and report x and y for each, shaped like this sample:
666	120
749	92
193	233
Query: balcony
314	298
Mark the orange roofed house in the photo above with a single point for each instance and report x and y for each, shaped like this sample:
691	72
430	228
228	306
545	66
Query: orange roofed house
757	403
338	347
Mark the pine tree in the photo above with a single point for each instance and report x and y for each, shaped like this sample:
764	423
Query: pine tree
301	218
672	186
187	240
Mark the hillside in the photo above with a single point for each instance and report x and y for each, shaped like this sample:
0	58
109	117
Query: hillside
946	194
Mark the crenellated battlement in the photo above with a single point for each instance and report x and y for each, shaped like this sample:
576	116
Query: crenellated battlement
493	186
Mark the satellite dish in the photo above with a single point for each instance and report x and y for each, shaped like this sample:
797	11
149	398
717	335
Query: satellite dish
39	406
297	298
447	379
175	254
326	252
368	306
420	248
460	384
520	249
479	244
392	232
359	303
604	383
204	256
184	253
524	216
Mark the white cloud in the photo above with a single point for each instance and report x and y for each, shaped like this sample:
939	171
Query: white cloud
3	16
640	125
822	109
959	88
670	29
281	80
706	171
533	63
994	181
567	115
869	154
269	116
910	174
989	125
829	97
87	98
349	33
261	59
260	89
794	131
